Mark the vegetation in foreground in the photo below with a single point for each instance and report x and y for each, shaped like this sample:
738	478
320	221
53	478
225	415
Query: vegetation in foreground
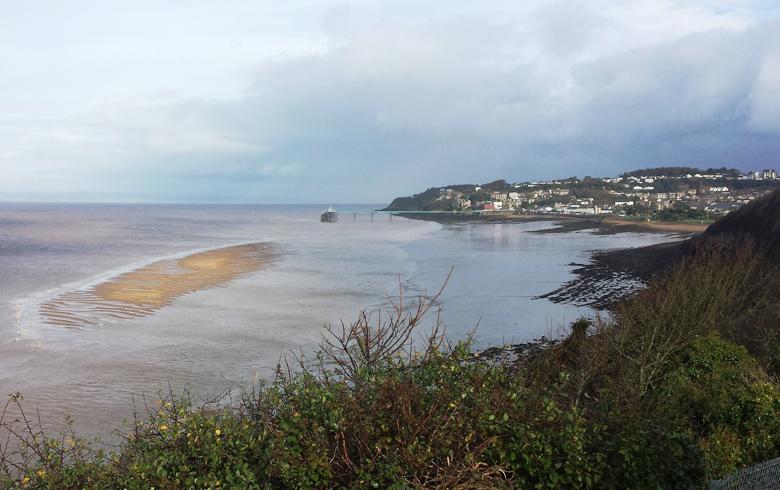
677	388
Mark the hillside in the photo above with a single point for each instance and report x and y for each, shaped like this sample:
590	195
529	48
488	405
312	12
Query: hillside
662	193
681	171
600	283
445	198
424	201
758	222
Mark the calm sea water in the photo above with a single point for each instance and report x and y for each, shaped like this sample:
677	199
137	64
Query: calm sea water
234	335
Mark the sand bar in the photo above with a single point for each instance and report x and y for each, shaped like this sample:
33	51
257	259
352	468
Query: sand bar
143	291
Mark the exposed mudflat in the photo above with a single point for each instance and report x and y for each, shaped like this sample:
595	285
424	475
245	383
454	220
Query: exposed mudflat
614	275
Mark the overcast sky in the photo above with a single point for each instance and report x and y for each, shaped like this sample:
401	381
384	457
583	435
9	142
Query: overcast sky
318	101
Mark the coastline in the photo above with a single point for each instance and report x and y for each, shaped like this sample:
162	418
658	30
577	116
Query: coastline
658	225
609	276
612	276
567	223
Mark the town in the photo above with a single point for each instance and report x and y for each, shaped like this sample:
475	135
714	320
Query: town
663	193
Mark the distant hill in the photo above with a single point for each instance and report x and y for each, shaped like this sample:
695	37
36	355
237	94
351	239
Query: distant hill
433	199
604	190
682	171
414	202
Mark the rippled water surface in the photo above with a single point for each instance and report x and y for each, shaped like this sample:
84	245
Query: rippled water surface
232	332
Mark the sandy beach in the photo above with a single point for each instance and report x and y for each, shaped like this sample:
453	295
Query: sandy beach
143	291
660	226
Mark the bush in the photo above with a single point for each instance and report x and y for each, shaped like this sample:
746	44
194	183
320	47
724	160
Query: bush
656	399
726	402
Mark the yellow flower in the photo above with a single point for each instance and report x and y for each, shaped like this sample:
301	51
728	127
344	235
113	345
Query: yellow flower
41	473
168	404
25	480
163	427
217	432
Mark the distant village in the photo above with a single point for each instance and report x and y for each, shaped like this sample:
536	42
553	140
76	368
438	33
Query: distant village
666	193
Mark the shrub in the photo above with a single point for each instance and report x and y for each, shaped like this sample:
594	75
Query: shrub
721	396
656	399
703	294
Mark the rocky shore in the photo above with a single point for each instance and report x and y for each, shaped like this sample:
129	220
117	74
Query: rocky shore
514	353
614	275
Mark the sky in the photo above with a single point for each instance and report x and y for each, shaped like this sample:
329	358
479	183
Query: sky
321	101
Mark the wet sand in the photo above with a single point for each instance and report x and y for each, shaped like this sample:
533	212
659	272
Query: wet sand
659	226
143	291
567	223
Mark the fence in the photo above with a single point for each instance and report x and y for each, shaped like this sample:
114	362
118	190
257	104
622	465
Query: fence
763	476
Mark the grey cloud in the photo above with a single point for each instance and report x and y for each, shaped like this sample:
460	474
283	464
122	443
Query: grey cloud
394	102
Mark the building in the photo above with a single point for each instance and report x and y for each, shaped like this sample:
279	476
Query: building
769	174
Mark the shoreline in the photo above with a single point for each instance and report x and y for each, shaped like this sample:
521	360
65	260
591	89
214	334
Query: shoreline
658	225
612	276
567	223
608	276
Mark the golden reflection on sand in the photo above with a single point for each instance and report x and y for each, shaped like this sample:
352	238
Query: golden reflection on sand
143	291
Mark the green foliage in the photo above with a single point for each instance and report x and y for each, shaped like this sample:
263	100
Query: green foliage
179	447
681	212
643	455
726	401
658	398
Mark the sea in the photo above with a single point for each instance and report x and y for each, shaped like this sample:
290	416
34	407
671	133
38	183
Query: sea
228	338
